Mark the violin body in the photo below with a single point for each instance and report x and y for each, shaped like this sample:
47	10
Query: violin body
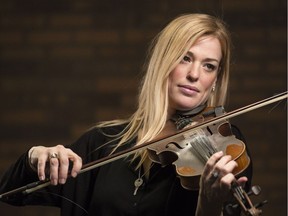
190	152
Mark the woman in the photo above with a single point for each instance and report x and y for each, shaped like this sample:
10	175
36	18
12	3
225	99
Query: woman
188	68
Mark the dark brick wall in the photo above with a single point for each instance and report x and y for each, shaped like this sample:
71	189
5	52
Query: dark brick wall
65	65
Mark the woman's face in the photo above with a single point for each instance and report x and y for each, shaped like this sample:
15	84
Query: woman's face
192	80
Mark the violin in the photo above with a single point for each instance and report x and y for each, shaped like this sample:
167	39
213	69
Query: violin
190	153
203	138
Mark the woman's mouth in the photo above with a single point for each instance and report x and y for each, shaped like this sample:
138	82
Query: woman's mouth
188	90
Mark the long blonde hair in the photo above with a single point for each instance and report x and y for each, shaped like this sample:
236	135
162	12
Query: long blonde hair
166	51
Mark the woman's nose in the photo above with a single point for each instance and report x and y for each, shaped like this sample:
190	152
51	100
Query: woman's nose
193	73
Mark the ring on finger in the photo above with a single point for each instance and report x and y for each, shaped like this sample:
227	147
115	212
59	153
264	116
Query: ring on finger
214	175
53	155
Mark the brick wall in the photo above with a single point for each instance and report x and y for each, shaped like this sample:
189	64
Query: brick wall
65	65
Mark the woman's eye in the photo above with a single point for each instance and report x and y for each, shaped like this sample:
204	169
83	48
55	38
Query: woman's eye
186	59
210	67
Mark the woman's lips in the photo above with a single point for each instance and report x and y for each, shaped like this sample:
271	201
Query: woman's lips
188	90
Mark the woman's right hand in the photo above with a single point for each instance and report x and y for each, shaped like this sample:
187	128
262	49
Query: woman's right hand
54	161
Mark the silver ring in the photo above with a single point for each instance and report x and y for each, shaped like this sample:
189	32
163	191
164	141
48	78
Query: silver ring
215	175
53	155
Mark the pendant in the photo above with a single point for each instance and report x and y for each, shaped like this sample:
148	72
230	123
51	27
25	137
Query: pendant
138	182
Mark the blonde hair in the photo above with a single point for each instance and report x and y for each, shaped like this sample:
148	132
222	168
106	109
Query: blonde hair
166	51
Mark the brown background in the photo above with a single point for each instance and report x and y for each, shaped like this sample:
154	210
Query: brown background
67	64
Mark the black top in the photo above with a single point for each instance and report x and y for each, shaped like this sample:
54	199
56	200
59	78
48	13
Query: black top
107	190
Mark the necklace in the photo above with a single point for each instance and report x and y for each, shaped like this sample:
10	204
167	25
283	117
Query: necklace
139	181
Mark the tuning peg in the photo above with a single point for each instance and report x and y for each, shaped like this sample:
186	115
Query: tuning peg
255	190
259	205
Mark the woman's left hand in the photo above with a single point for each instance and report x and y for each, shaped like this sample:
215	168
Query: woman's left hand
215	183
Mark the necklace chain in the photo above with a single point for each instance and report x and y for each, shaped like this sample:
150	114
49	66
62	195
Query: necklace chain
139	181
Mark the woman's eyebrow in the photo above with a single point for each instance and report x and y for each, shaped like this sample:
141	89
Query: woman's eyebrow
206	59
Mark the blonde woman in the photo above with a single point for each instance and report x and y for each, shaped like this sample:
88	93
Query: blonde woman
187	69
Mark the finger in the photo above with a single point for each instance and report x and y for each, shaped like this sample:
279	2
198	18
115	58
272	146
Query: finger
54	167
41	166
211	162
226	165
221	168
223	161
230	166
63	168
77	163
242	181
226	181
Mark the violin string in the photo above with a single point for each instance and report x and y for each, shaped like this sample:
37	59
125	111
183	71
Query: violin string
197	152
202	145
209	145
238	190
200	153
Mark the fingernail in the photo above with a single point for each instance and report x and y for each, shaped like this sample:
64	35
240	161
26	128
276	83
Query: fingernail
62	181
41	178
73	174
220	152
